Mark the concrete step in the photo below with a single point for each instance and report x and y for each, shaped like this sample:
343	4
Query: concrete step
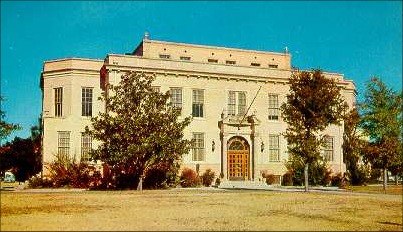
244	185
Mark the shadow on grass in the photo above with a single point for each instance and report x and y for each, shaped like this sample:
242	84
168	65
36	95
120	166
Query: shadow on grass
391	223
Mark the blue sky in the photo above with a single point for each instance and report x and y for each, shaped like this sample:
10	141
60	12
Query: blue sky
359	39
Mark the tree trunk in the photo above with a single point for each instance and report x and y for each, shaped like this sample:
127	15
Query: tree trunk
306	177
140	185
385	179
396	180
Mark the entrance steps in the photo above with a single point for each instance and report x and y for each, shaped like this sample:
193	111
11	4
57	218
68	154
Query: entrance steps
248	184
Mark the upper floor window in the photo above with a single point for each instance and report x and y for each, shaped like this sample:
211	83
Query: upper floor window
328	148
63	144
274	148
198	147
59	102
273	107
165	56
198	102
212	60
176	97
86	146
231	62
273	66
255	64
86	101
236	103
185	58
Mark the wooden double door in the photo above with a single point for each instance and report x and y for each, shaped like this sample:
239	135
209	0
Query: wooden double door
238	159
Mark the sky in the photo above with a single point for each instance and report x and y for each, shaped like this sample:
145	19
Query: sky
358	39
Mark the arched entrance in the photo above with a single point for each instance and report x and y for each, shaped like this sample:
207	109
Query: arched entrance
238	159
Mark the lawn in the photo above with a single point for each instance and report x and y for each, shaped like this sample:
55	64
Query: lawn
199	210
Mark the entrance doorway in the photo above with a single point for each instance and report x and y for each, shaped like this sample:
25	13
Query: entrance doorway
238	159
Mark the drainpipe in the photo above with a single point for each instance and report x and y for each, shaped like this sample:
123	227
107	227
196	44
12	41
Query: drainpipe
252	137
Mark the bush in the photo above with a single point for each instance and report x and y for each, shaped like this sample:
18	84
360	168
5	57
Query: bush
208	177
189	178
338	180
64	172
287	179
38	182
217	182
161	176
319	173
270	179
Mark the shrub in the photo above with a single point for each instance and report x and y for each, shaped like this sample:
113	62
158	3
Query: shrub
208	177
38	182
270	179
287	179
189	178
161	176
65	172
217	182
338	180
318	171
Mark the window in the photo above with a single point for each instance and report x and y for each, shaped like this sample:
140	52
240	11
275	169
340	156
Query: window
231	62
59	102
63	144
274	148
198	146
185	58
176	98
273	107
165	56
86	101
86	146
241	103
233	102
212	60
328	148
255	64
273	66
156	88
198	103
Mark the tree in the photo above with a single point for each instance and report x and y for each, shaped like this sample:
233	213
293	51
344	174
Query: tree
139	131
382	122
6	128
314	102
23	156
353	148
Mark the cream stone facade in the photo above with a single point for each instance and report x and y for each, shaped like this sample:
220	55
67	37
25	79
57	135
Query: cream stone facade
233	95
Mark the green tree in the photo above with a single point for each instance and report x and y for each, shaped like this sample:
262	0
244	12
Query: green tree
353	148
139	131
23	156
6	128
314	102
382	122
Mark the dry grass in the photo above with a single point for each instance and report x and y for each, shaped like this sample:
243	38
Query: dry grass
199	210
390	189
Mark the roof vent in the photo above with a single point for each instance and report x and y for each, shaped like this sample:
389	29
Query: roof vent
146	35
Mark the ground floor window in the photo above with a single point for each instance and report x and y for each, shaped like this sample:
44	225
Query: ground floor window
63	146
274	148
198	147
86	146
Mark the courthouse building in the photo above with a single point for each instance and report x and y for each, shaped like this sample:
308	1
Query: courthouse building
232	94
